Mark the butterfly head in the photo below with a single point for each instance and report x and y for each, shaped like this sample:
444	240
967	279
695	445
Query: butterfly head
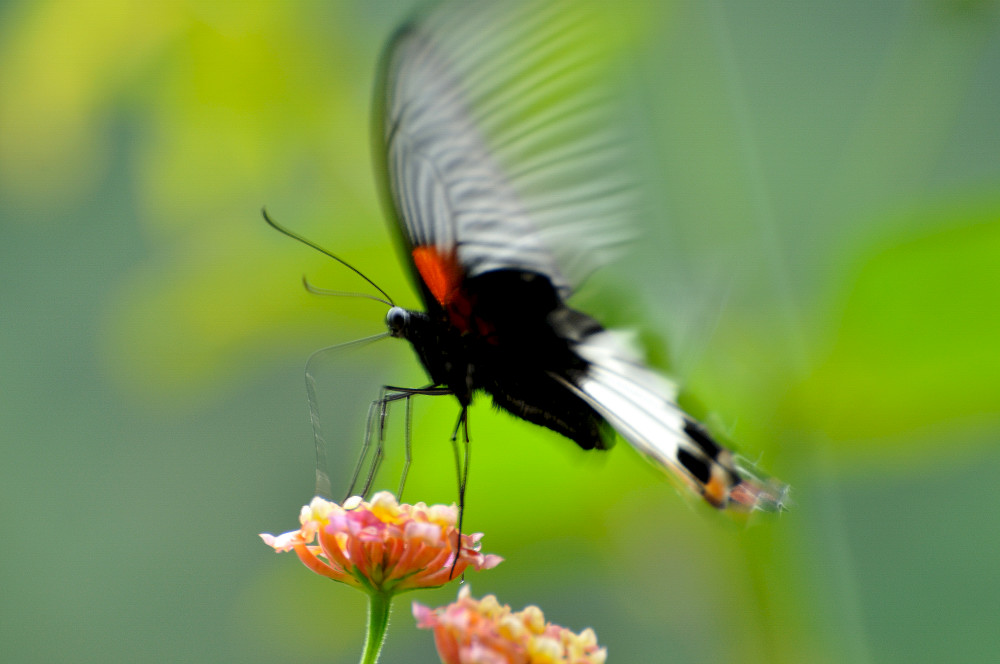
397	320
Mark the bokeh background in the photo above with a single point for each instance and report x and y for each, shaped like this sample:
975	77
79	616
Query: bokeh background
821	268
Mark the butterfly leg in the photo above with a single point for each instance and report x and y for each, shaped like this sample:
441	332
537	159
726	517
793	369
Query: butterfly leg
377	409
462	471
408	456
378	412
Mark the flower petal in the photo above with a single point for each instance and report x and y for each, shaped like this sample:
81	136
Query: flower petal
383	545
484	631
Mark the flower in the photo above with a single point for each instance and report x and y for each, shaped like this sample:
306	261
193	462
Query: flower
472	631
382	547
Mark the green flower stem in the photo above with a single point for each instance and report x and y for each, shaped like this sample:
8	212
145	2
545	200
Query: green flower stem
378	622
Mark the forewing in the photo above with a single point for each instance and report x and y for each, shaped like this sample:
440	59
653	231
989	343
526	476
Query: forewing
501	140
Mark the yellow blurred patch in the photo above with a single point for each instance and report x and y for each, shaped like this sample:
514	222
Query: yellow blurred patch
63	65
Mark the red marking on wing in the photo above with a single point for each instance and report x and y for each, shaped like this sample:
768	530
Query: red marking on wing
443	275
440	271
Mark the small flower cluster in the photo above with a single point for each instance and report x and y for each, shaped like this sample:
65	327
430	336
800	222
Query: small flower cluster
382	546
484	632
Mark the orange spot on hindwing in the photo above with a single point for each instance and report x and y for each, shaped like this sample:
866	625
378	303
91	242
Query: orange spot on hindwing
716	490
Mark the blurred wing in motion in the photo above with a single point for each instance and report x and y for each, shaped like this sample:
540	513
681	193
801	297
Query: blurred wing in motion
641	405
503	141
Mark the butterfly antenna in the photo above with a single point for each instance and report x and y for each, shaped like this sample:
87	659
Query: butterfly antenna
309	243
316	290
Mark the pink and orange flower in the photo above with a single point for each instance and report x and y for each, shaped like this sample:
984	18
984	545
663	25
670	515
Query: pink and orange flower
486	632
382	546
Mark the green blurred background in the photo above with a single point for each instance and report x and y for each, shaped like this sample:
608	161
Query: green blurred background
822	269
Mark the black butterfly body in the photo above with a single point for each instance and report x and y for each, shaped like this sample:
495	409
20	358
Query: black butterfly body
514	343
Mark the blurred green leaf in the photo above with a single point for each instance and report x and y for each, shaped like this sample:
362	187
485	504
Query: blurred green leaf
915	337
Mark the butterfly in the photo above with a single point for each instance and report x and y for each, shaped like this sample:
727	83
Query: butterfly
506	178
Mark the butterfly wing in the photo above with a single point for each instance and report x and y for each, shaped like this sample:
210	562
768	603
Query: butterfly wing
496	130
641	406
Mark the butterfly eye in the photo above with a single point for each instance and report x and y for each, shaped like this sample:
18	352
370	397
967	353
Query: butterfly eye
396	321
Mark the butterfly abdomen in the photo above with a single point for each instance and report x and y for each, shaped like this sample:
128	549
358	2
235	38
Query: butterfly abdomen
517	361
